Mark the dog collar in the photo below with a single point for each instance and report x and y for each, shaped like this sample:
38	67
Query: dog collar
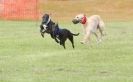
84	19
48	20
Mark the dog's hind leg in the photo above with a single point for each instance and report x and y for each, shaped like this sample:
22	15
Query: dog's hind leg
102	33
71	39
101	28
64	45
98	39
62	42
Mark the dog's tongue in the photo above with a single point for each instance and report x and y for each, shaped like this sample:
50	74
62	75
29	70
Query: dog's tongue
84	19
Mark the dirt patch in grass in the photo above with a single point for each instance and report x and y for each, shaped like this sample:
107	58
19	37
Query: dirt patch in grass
108	9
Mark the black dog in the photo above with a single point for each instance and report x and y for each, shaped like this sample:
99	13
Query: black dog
62	35
46	25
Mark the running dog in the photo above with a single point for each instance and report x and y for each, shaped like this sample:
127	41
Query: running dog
91	25
59	35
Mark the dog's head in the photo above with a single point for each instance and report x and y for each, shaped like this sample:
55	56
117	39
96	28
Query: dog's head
45	20
44	25
80	18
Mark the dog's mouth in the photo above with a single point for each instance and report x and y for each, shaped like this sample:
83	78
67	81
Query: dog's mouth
43	29
75	21
44	26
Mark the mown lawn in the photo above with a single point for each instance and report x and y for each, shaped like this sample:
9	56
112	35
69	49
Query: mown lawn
27	57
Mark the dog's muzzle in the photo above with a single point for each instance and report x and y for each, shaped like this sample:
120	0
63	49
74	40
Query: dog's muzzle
43	29
75	21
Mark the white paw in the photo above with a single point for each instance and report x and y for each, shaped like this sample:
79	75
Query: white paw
99	41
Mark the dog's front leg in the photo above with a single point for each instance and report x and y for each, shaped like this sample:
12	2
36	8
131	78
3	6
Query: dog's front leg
86	38
42	33
54	37
56	40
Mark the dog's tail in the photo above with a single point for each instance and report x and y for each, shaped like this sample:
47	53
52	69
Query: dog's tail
75	34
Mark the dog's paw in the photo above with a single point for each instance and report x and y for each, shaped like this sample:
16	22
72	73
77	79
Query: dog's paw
104	34
99	41
57	41
42	35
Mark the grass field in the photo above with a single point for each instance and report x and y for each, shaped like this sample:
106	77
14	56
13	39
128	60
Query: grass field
27	57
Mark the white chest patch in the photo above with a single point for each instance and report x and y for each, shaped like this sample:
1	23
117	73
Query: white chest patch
44	26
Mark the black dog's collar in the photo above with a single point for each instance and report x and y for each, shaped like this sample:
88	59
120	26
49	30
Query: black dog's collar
48	20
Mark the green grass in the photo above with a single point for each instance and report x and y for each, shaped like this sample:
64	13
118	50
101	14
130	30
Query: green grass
27	57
